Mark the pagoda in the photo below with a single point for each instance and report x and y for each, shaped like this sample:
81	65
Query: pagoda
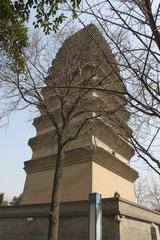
98	160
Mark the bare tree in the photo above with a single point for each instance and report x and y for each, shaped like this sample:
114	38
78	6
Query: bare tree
132	29
70	98
147	191
154	195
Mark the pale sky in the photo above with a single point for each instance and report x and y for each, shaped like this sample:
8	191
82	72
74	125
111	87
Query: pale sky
14	150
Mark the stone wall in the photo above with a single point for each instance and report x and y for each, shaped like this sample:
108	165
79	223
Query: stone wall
137	221
30	222
122	220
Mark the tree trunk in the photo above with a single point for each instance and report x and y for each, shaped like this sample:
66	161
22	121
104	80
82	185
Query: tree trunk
55	198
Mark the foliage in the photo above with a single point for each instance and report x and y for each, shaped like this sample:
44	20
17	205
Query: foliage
13	34
1	198
2	201
16	200
47	13
13	28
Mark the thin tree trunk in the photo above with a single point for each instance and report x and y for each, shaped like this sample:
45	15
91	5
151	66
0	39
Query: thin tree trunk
55	198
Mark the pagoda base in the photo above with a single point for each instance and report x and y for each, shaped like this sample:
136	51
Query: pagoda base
84	171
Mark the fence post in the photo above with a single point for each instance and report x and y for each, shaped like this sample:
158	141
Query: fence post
95	216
